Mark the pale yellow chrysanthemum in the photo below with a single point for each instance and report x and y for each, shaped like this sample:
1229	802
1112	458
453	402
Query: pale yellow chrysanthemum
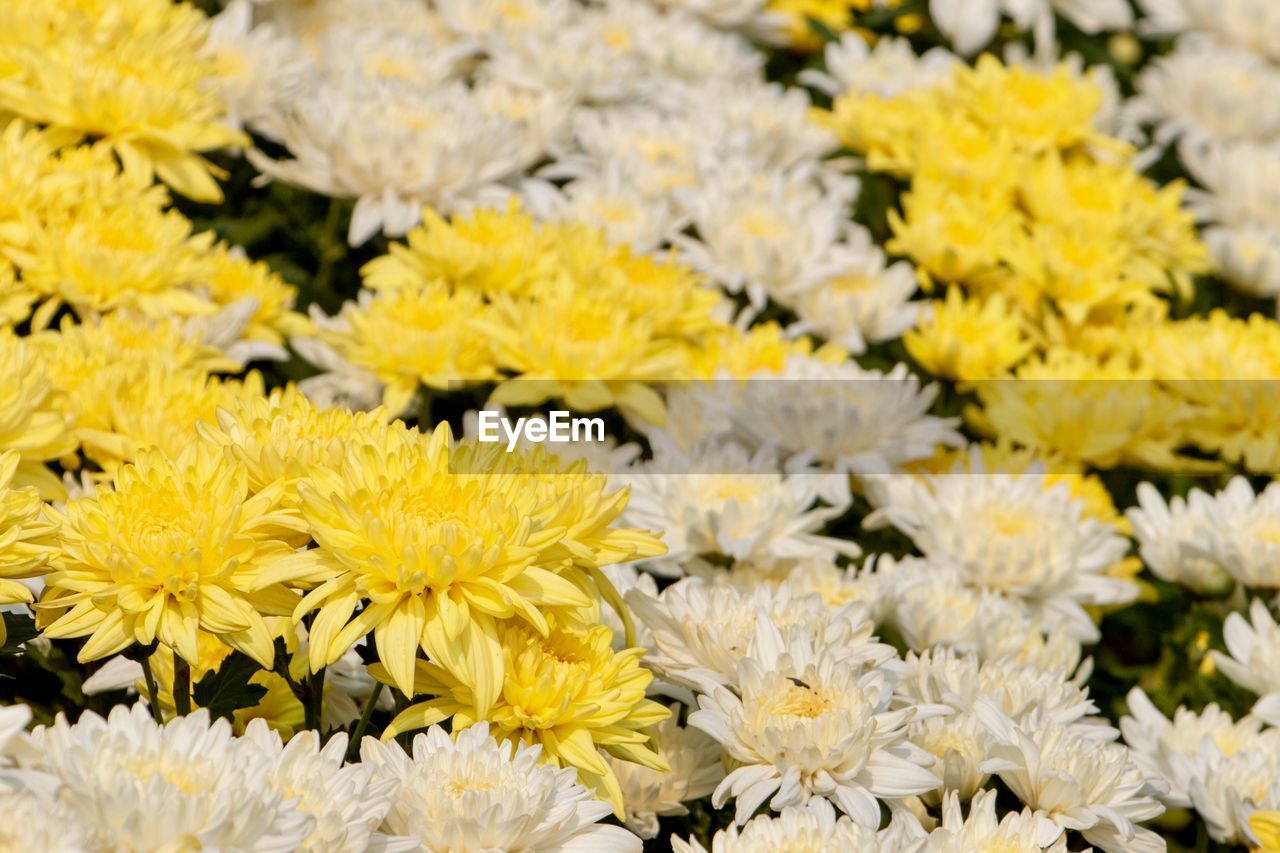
282	438
105	258
170	548
131	72
232	277
31	420
418	334
438	544
15	296
28	536
571	315
40	182
1224	368
969	338
567	690
489	251
762	349
132	407
1132	419
573	344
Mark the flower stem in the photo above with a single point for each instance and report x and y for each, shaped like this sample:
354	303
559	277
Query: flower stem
153	695
358	734
313	703
181	686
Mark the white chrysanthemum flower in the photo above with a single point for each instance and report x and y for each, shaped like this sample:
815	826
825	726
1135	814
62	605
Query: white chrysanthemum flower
769	233
1248	258
593	58
608	200
1172	538
33	822
804	724
960	741
1203	90
813	828
1251	24
718	498
395	148
930	606
832	417
656	152
1253	661
1015	689
1073	783
749	16
888	69
971	24
1232	787
347	803
696	770
1240	180
493	22
1240	197
700	632
260	70
1009	534
474	793
1244	533
1177	751
867	301
141	786
13	727
982	832
768	125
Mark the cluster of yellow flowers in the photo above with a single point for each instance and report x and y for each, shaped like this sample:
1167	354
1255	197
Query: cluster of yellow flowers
137	292
1062	267
495	574
130	72
545	310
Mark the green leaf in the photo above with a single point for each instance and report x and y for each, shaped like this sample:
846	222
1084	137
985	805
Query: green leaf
19	628
228	690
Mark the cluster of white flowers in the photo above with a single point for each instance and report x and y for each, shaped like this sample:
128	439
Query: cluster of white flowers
1204	96
127	783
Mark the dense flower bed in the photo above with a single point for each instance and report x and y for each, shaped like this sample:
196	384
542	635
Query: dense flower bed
935	344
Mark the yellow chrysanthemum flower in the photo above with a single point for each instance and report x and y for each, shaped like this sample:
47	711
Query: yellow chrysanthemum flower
569	314
131	72
419	334
31	421
969	338
172	547
41	182
233	277
764	348
574	345
102	259
567	690
132	407
437	546
1226	369
15	296
28	536
283	438
489	251
1131	419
